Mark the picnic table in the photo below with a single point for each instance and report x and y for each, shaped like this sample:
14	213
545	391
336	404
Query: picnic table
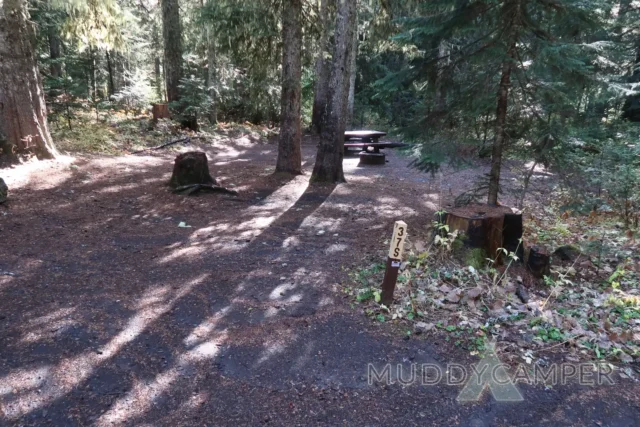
368	142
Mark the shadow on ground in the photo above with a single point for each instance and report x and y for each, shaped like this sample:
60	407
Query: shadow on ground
112	314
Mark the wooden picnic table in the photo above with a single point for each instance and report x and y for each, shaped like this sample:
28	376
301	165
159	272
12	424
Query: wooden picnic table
363	135
365	139
375	146
367	142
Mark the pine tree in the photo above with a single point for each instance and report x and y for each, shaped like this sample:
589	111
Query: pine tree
23	112
172	36
289	151
328	166
322	67
508	63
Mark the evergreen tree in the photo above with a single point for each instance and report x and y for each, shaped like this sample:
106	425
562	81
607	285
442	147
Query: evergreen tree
172	36
289	151
498	63
322	67
328	166
23	112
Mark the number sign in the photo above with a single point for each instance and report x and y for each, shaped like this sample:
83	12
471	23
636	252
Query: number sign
397	242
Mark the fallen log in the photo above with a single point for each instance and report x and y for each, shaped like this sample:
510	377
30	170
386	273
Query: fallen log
167	144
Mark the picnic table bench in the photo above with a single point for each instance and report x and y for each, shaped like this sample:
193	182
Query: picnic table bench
367	142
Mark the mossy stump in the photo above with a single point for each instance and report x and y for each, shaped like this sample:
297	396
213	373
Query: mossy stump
487	227
191	168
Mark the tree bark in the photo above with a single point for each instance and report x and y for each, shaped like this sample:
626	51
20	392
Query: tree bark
172	36
328	166
289	151
501	118
211	75
111	83
92	74
158	80
22	107
54	52
352	75
322	69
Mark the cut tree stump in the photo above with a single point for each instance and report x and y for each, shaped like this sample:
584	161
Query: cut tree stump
160	111
4	191
191	168
487	227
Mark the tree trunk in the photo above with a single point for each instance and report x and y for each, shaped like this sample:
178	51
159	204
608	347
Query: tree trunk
289	154
54	52
23	110
111	83
92	74
501	118
328	166
211	75
323	70
172	35
352	75
159	82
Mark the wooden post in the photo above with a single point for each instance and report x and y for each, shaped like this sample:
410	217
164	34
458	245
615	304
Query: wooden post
394	259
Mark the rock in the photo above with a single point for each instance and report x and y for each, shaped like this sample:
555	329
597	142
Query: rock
587	264
567	252
522	294
420	246
454	296
528	338
4	190
474	293
538	261
444	289
424	326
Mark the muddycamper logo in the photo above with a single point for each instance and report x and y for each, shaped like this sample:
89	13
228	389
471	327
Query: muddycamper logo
490	374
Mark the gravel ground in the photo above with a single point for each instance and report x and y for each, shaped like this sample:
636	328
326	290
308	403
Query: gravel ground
113	314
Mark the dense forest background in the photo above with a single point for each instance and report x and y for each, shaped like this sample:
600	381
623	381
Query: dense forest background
550	82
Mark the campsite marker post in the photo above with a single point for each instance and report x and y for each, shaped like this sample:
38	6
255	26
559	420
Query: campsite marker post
394	259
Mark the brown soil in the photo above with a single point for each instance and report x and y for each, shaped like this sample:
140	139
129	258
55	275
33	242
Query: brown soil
112	314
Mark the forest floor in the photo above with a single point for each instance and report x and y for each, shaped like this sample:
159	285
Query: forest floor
122	303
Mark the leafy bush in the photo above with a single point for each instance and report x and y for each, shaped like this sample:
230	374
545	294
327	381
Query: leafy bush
137	93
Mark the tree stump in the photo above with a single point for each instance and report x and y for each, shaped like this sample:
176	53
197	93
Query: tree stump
160	111
191	168
4	190
487	227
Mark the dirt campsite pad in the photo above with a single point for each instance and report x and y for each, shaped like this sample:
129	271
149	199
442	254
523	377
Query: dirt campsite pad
122	303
